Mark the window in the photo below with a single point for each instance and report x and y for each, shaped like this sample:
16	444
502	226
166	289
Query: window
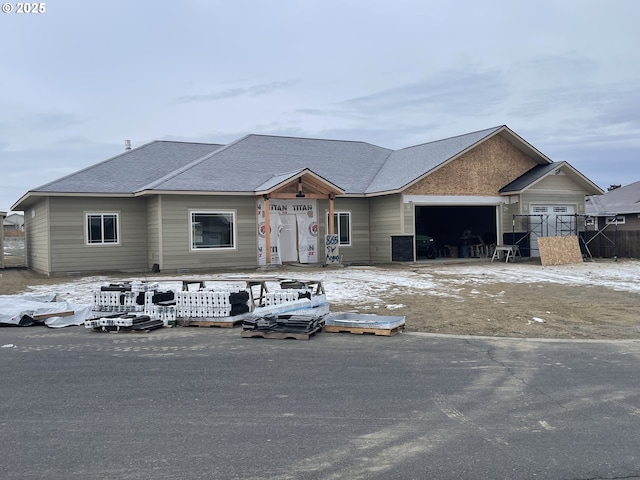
341	227
102	229
212	230
617	220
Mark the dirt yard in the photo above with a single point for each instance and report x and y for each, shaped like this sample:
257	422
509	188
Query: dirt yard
597	301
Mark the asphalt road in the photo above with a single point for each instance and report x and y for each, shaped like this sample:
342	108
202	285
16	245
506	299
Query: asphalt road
198	403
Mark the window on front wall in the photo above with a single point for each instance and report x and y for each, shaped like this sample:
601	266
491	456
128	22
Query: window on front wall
102	228
212	230
341	227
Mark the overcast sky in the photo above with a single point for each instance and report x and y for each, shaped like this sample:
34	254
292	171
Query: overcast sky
81	77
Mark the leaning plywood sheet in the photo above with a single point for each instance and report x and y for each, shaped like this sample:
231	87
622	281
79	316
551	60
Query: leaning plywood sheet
559	250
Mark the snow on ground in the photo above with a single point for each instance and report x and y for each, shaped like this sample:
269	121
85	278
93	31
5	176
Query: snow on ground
359	285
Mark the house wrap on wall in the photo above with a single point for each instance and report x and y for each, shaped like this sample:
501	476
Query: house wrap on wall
270	199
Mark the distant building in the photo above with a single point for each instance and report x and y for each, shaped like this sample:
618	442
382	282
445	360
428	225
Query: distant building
14	222
2	217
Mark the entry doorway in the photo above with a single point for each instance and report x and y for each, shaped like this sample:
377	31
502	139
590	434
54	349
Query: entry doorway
289	239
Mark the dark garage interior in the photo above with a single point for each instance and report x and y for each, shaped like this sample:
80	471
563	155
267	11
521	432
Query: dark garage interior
454	231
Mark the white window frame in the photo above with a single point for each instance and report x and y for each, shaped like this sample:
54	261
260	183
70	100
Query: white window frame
102	242
615	220
234	241
340	212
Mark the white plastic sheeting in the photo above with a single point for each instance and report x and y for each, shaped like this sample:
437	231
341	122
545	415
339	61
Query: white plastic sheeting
17	308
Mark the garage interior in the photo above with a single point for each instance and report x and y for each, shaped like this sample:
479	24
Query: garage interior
454	231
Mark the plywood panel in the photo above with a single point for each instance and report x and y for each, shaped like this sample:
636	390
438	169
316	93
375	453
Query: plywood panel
559	250
484	170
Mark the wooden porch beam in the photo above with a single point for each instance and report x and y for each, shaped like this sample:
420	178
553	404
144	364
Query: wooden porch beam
289	196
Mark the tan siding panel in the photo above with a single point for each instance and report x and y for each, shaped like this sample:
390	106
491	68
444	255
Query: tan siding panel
386	220
37	237
555	183
69	251
153	230
175	233
358	252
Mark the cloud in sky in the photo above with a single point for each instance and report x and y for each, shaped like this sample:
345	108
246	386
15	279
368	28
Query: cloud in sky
77	81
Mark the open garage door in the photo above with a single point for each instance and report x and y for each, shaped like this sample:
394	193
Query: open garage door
454	231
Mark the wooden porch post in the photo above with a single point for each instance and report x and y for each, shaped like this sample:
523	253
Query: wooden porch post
267	229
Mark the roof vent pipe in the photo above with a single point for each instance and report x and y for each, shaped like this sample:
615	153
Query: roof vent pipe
127	144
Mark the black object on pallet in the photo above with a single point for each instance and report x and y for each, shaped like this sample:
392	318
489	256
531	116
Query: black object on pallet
148	325
283	323
236	298
116	287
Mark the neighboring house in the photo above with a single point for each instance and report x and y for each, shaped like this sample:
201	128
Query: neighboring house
2	217
616	221
180	206
13	222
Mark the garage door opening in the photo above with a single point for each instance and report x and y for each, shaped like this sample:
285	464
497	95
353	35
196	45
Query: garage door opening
454	231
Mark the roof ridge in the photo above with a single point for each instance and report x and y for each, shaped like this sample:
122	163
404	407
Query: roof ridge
492	129
186	167
313	138
190	143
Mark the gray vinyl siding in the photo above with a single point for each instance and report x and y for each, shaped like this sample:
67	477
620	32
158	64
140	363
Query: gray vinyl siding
386	220
631	223
36	223
69	251
176	224
358	251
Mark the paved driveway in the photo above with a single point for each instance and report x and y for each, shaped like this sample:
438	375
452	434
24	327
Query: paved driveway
196	403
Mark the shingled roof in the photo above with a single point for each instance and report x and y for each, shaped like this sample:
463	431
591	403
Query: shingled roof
623	200
249	164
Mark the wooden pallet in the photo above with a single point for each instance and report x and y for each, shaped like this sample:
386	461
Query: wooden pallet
279	335
362	330
209	323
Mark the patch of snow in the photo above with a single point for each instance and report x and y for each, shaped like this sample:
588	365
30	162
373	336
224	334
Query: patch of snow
359	285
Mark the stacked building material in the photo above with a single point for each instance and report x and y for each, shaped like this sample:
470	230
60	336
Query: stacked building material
125	301
124	323
359	323
211	304
283	323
